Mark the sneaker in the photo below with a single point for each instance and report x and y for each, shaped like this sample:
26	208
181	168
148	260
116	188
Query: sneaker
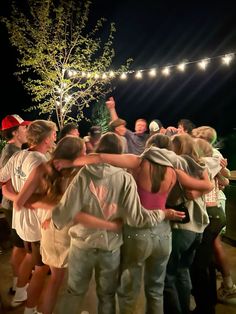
226	294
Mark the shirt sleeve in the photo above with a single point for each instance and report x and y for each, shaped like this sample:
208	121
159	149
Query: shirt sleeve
6	171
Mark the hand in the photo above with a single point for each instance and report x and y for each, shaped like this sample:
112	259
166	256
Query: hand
110	103
192	194
117	224
223	163
172	214
62	163
45	225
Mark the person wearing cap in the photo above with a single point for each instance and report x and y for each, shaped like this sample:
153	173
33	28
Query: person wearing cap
13	129
156	126
94	135
136	140
118	126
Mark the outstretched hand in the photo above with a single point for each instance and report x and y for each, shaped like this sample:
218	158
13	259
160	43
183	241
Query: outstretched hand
172	214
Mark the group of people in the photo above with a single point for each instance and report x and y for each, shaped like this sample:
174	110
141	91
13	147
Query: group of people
110	204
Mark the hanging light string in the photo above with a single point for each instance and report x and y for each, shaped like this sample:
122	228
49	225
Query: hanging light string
202	65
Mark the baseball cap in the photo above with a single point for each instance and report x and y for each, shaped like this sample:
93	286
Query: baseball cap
115	123
155	126
11	121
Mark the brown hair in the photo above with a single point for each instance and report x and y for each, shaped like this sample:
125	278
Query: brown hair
54	182
184	144
157	172
109	143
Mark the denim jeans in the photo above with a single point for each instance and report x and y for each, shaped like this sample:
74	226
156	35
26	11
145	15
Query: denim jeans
150	248
80	270
177	289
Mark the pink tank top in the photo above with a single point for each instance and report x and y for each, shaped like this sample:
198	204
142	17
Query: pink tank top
151	200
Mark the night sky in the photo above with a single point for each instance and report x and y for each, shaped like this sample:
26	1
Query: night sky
157	34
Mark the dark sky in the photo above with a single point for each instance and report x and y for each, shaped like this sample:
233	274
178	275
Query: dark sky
159	33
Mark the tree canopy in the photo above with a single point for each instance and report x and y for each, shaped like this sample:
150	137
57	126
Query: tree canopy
63	62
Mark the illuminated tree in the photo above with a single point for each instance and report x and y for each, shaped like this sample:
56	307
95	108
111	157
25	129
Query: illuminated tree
63	61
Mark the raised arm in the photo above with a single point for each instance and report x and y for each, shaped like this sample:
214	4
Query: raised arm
111	106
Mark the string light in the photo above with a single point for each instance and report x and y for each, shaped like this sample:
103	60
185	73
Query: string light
165	70
203	64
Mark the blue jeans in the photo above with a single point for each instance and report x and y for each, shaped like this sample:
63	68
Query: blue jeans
80	270
177	289
150	248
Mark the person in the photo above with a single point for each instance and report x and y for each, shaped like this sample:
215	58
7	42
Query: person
185	126
41	136
131	288
13	129
94	135
118	126
135	140
203	270
43	189
69	129
104	191
228	288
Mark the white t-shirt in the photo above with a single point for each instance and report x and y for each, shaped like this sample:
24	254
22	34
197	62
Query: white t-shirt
27	222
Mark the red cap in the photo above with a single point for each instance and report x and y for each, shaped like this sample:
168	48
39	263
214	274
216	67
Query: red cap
11	121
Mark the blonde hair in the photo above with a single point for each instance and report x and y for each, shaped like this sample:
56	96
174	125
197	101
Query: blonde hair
38	130
204	148
184	144
205	132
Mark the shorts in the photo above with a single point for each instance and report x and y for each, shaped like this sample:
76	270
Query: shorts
34	249
16	240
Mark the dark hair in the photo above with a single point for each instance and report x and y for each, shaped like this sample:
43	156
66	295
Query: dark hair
187	125
109	143
67	129
160	140
8	133
157	172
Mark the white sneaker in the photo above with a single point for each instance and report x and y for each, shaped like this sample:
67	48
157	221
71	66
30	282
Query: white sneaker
226	294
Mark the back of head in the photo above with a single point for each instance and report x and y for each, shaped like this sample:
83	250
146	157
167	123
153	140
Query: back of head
184	144
95	132
66	130
38	130
155	126
109	143
160	140
205	132
187	125
69	147
204	148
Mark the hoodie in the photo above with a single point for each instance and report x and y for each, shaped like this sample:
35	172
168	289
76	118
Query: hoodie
106	192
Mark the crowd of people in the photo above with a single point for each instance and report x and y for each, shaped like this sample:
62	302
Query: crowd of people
131	207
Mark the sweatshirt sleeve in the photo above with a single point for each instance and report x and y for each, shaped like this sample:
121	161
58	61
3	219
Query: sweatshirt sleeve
69	205
133	213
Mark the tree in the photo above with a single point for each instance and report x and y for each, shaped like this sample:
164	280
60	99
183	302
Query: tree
100	115
63	63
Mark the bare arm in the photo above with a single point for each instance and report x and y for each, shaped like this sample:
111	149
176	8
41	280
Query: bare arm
203	185
111	106
29	187
119	160
8	191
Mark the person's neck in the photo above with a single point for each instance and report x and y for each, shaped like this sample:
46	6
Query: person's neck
15	142
41	148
